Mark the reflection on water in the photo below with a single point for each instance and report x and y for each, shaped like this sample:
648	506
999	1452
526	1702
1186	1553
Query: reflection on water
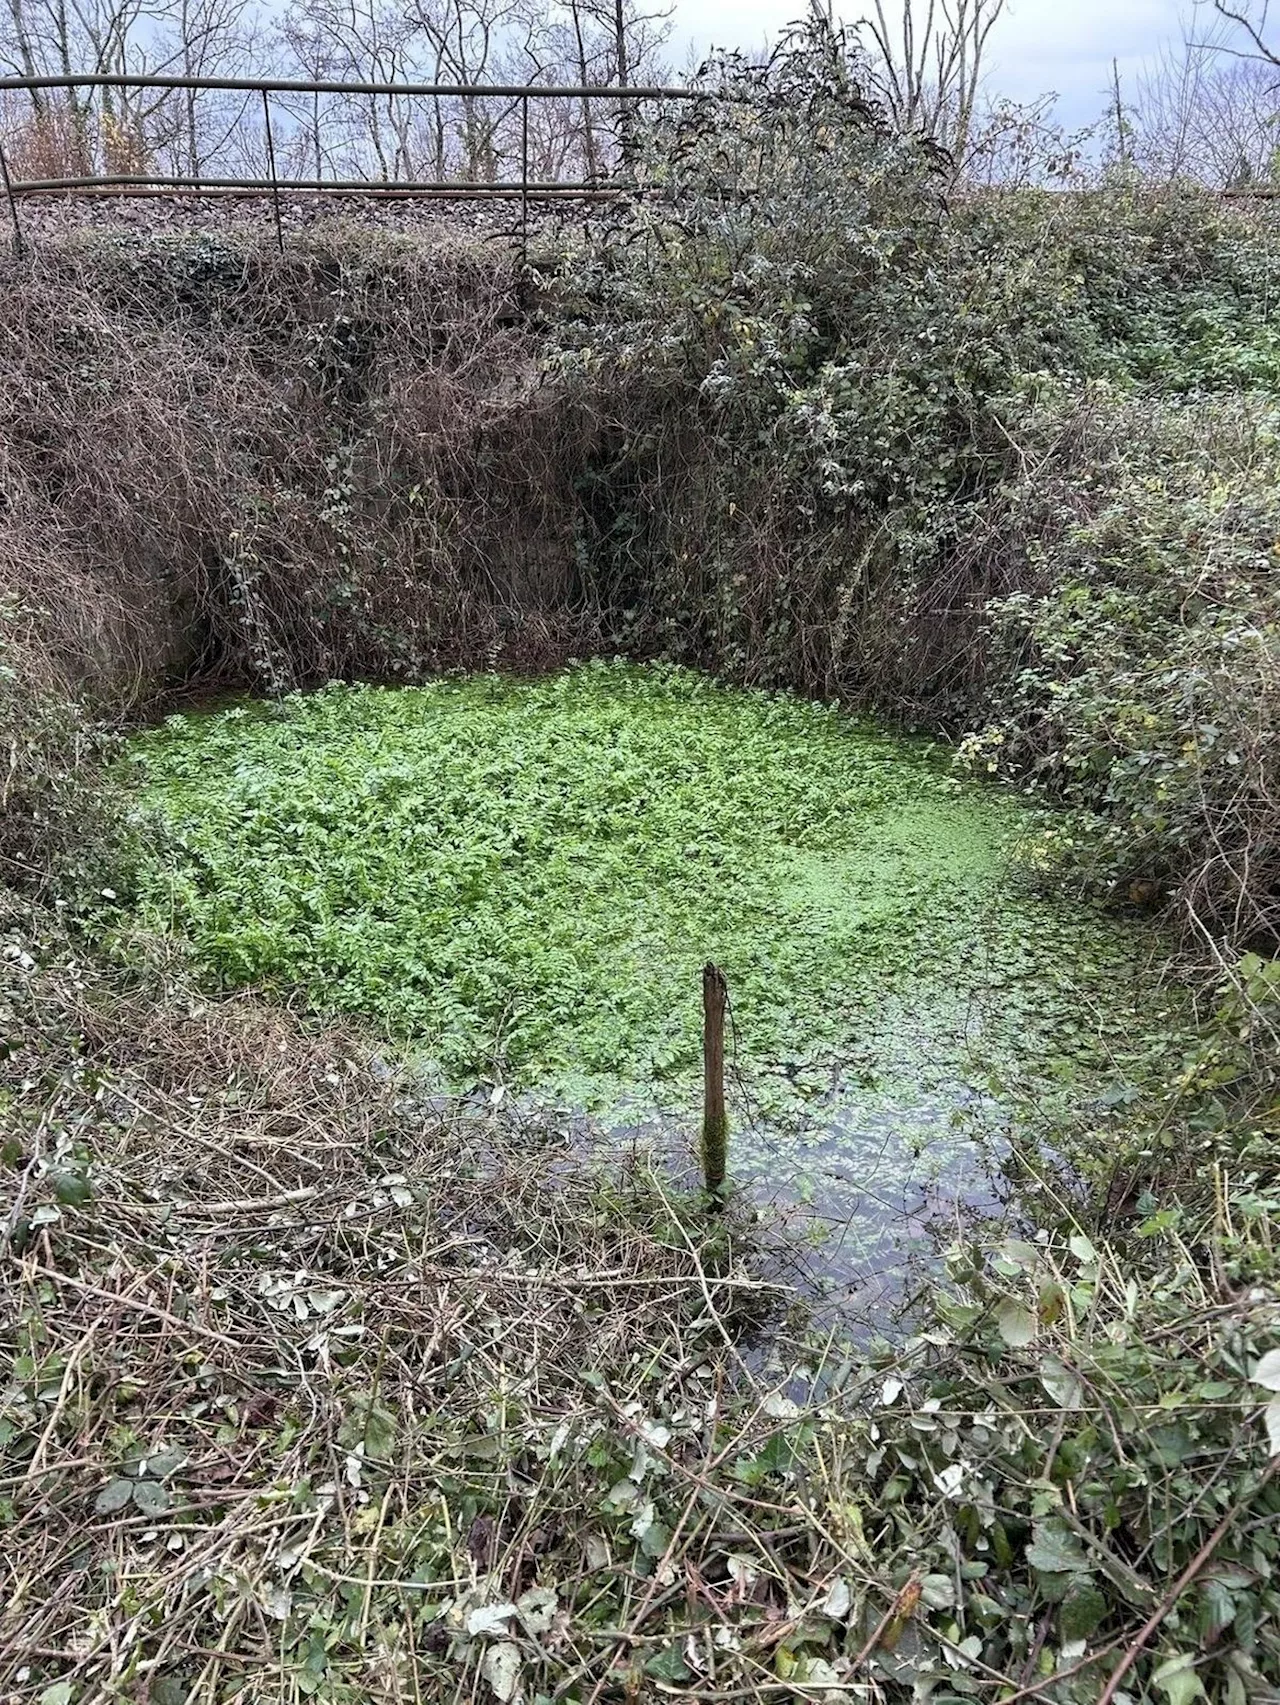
862	1190
874	1158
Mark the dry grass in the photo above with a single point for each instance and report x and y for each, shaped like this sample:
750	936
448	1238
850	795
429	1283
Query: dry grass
336	462
392	1361
318	1392
221	466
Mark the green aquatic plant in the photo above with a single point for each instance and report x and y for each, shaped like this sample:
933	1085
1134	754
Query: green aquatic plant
521	880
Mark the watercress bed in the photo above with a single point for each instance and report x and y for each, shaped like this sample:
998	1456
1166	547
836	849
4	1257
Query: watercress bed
519	880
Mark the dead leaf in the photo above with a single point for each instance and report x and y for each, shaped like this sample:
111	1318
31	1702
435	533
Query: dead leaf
500	1667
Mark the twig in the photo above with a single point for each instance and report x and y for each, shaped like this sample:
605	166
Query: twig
1183	1581
140	1307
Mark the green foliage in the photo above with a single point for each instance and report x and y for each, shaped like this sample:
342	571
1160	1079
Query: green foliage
805	359
832	403
1139	688
357	1411
525	879
862	442
527	875
1056	1480
813	427
1172	289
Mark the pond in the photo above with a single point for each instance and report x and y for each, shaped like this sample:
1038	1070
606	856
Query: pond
518	882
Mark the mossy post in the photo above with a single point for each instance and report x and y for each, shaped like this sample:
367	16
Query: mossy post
715	1123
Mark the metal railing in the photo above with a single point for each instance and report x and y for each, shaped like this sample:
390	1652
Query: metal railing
524	188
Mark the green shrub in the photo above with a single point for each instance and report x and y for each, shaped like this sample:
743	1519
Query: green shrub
1140	687
829	403
799	361
1169	287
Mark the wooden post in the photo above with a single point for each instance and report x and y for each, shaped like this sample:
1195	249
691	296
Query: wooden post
271	160
715	1123
524	180
19	247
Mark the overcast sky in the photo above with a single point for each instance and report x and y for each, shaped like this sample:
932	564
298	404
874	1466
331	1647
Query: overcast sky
1063	46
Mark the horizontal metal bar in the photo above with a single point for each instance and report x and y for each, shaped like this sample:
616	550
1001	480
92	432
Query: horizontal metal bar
372	192
350	186
297	86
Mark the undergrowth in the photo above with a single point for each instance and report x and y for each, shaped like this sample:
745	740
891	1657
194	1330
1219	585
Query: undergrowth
1016	455
313	1392
792	419
1138	687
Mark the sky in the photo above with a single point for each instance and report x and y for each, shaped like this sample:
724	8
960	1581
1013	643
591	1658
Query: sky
1039	46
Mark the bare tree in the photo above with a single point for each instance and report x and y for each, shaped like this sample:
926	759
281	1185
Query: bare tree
1252	34
616	42
305	49
21	48
1206	112
929	65
465	41
192	130
1015	145
471	135
578	44
361	40
122	128
51	37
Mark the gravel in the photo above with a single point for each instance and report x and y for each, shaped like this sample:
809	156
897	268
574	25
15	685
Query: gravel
41	216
